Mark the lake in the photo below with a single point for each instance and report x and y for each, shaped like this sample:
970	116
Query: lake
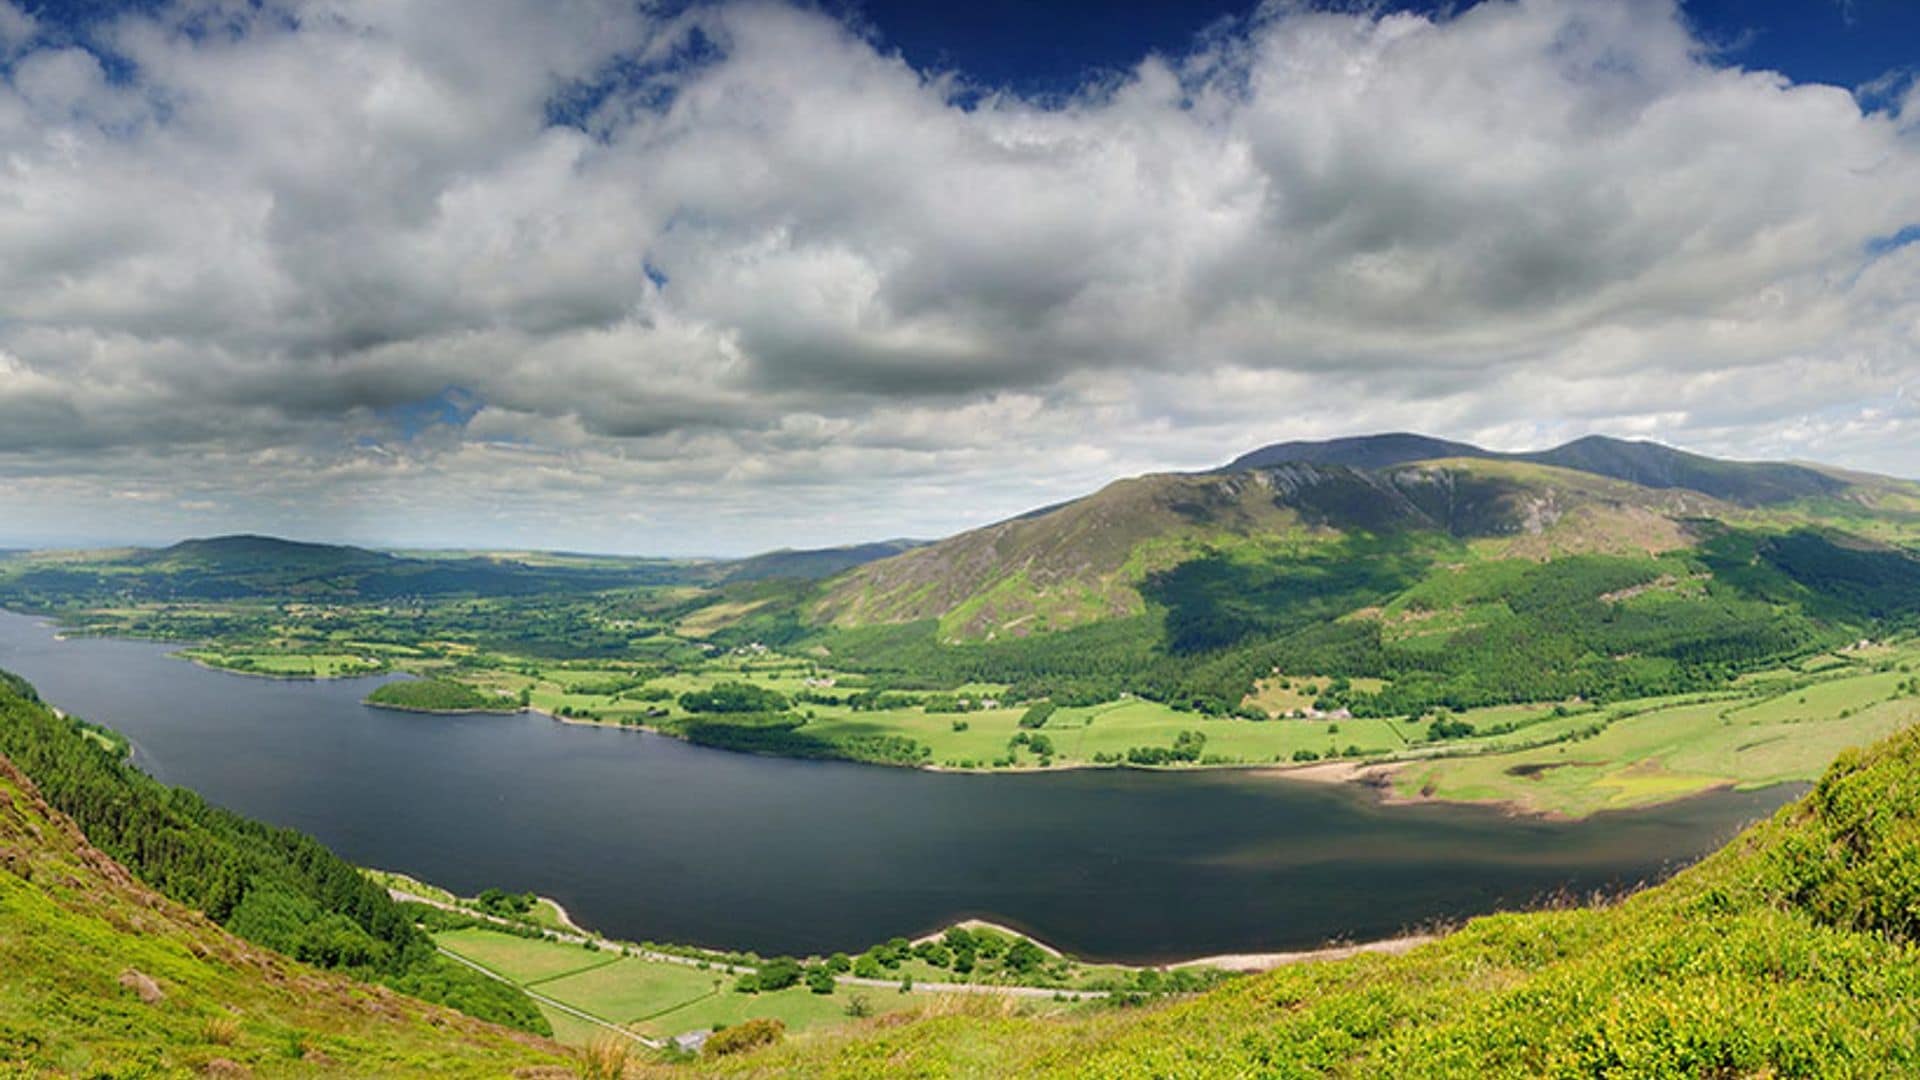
646	837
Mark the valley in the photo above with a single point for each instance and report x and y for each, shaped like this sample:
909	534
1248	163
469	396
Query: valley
1602	625
1330	693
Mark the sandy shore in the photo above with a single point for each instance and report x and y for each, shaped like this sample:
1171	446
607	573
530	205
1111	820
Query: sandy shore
1225	961
984	924
1269	961
1373	774
566	919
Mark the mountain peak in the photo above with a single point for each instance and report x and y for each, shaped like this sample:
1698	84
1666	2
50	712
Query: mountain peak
1356	451
1638	461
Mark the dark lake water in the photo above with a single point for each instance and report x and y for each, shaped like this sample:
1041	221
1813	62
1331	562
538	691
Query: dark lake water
646	837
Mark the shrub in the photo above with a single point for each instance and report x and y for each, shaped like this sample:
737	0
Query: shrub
220	1030
1037	714
605	1058
745	1036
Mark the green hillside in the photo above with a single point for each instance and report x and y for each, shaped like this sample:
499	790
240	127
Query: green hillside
276	888
1095	558
1794	951
1601	569
254	568
100	976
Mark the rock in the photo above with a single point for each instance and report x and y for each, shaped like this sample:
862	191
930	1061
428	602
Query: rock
225	1067
143	985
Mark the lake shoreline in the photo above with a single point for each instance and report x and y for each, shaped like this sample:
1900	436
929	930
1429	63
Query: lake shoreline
1370	775
424	711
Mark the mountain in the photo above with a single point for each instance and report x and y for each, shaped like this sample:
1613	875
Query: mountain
250	566
811	564
1648	464
1095	558
251	554
1356	451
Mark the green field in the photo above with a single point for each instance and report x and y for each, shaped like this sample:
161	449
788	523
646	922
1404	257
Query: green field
651	997
284	665
979	738
1559	659
1570	758
1779	735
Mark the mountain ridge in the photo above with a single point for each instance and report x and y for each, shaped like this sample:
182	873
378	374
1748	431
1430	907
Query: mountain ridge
1639	461
1088	559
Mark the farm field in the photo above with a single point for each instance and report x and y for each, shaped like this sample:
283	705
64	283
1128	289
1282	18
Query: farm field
285	665
652	997
1789	733
1570	758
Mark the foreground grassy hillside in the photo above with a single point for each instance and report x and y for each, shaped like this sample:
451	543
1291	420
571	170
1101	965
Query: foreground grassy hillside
102	977
1792	952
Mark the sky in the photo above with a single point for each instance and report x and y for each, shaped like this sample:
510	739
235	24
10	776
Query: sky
719	277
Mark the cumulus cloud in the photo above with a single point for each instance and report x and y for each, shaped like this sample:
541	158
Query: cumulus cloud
738	275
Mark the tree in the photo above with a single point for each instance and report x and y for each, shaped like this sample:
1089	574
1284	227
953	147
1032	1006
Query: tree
1023	956
776	974
1037	714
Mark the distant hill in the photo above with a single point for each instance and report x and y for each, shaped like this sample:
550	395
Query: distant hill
249	553
1090	559
251	566
1093	558
1458	581
248	565
811	564
1648	464
1356	451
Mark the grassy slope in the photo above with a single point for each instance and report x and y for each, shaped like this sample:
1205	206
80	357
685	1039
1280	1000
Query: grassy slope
72	922
1667	753
1087	560
1789	953
1077	563
653	997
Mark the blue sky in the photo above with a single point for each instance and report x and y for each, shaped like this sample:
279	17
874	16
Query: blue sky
729	276
1051	47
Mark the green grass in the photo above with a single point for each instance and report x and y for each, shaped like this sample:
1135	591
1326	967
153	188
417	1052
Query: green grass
72	924
799	1008
1680	750
524	960
652	997
284	665
1538	757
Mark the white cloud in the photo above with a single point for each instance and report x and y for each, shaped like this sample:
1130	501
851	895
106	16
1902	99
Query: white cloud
778	286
